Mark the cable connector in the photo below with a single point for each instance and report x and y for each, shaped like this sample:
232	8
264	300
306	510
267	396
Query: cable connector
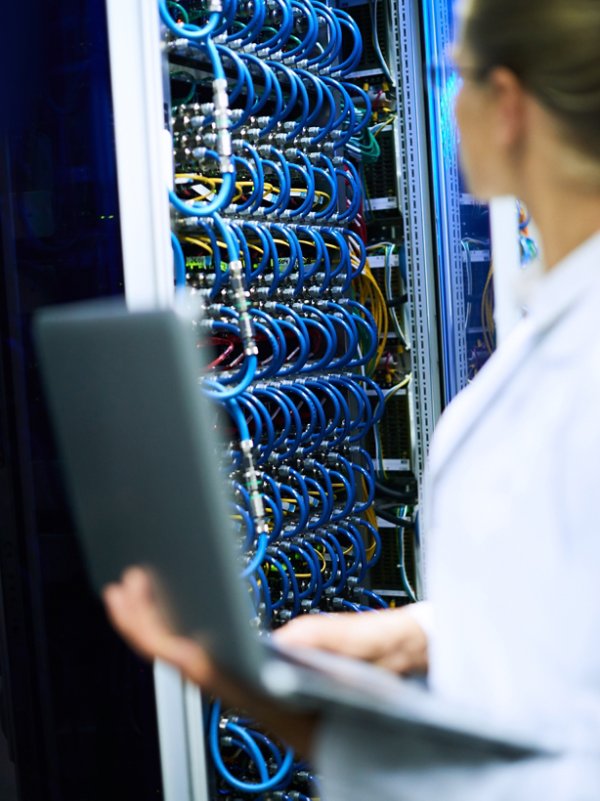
257	509
240	302
221	115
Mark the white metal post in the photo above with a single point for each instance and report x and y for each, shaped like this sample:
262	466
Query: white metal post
140	136
143	164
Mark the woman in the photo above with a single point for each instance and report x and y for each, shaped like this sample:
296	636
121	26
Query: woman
515	465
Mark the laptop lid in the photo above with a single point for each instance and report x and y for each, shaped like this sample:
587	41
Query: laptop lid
141	464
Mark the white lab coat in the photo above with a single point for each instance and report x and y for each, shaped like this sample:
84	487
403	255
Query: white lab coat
513	532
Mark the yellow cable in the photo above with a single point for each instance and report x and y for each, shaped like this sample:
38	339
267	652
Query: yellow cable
192	240
487	318
370	289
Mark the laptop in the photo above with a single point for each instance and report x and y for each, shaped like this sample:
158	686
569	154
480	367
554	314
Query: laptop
140	450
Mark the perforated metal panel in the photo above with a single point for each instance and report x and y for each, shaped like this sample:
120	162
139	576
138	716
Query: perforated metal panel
413	177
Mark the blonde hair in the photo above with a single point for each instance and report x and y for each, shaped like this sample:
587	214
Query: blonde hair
553	47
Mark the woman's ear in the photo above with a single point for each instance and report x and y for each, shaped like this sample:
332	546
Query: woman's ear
509	103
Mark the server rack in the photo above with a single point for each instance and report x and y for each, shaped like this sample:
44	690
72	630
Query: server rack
179	708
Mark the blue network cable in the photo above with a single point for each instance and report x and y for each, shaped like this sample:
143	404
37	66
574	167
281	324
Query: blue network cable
351	62
178	261
248	32
275	42
333	44
276	232
186	31
306	43
285	581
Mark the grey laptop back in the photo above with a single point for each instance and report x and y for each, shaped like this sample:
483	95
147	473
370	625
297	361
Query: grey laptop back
138	443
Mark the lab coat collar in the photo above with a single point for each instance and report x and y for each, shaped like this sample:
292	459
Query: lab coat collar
556	293
565	284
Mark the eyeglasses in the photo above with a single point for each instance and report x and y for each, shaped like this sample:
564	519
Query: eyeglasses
440	73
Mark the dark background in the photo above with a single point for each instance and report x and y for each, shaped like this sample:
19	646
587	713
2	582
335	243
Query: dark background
77	708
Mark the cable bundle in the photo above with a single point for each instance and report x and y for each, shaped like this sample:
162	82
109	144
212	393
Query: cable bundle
263	123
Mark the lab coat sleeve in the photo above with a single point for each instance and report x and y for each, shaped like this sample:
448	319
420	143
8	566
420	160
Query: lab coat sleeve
359	758
423	613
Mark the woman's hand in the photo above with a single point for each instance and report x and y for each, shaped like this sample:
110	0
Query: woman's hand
135	614
390	638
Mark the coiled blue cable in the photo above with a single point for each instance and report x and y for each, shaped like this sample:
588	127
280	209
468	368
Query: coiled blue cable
313	590
306	398
350	491
285	561
257	195
331	177
259	557
263	423
314	113
295	516
292	82
301	333
216	391
361	403
333	560
265	241
332	48
362	122
376	389
248	32
264	593
345	122
293	474
324	100
191	32
274	505
294	361
248	523
351	178
276	42
308	41
320	517
283	195
272	91
282	408
277	340
351	62
370	483
285	581
301	96
295	267
218	203
243	81
373	596
364	318
359	565
361	523
306	175
178	261
340	579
